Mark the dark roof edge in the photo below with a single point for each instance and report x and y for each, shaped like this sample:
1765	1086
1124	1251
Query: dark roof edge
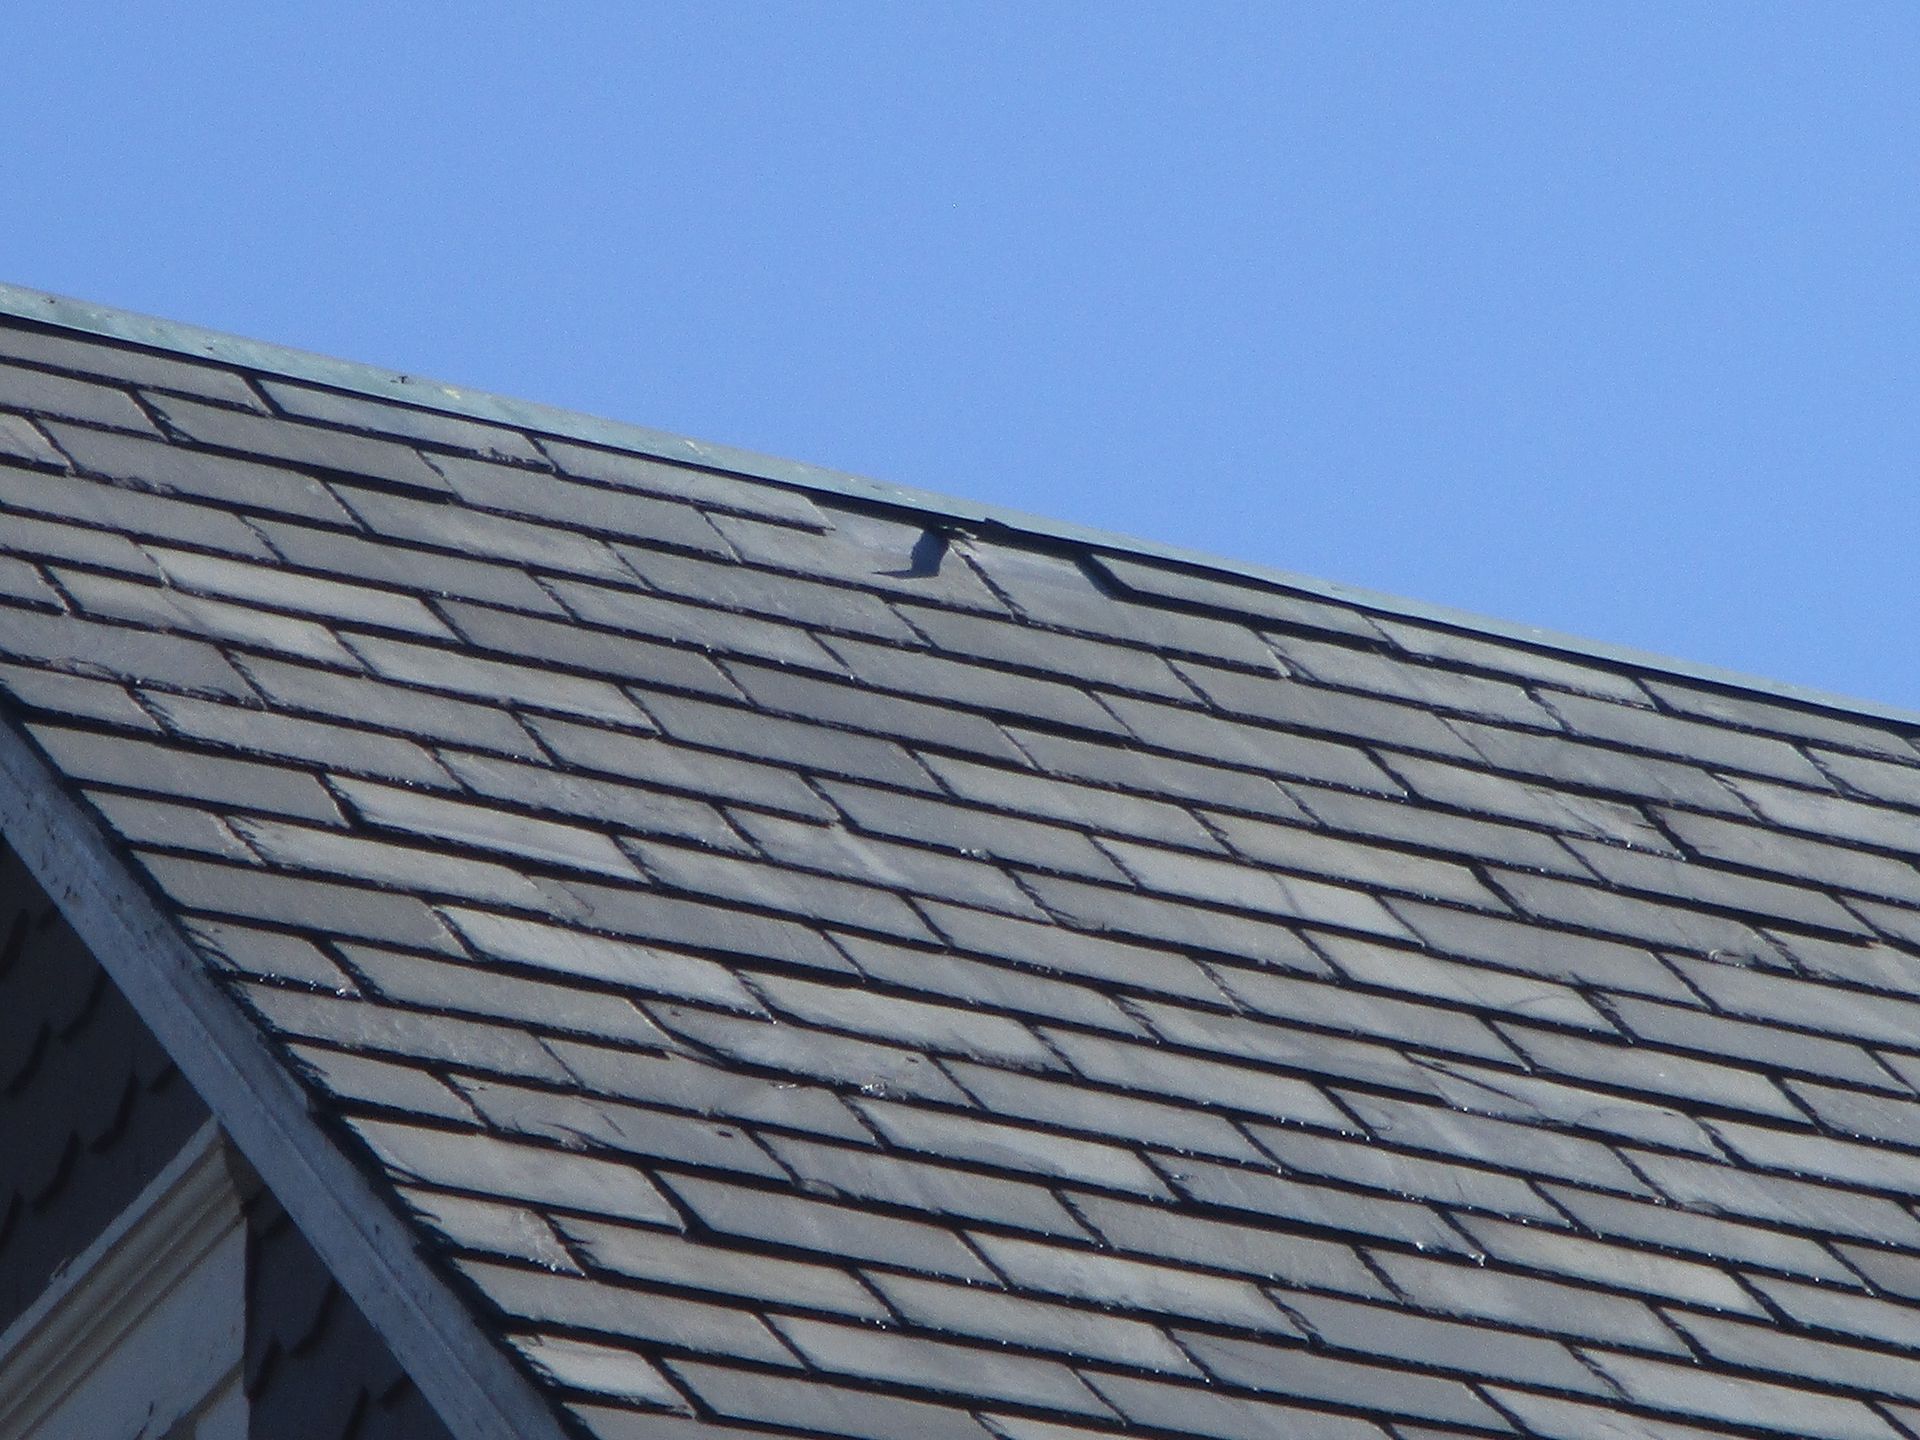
181	339
464	1374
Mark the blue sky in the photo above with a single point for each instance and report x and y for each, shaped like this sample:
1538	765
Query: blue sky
1597	317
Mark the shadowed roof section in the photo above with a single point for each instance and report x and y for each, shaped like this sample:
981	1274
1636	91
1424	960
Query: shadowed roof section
707	948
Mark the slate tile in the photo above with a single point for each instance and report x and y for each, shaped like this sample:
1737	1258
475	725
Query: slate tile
970	1373
361	1080
1156	1070
1009	1147
1890	1273
925	674
731	586
389	707
171	470
996	986
1641	1067
38	393
814	1055
130	512
648	915
296	847
1538	1100
269	954
160	825
1693	883
1803	1004
1195	1411
114	652
828	1409
1723	1190
1032	1324
556	950
782	1218
1021	1427
682	482
504	1170
689	1084
1822	1308
1046	652
928	1188
269	733
1106	811
906	868
1317	1264
1518	1149
1322	1056
1472	1292
1318	853
1282	1254
1130	768
1687	1028
467	674
1669	1228
1830	817
943	1029
1447	1181
425	572
1219	591
1110	962
1482	652
300	445
332	909
978	833
1561	760
1431	1343
490	1228
91	357
1898	923
525	1003
1280	701
167	770
1873	779
1058	592
863	548
1073	1106
1412	973
1870	1117
1134	1285
1570	1420
1714	745
483	827
1245	887
1765	1348
1534	950
276	587
377	417
1547	1251
1736	1400
816	899
638	612
533	1295
362	1025
1392	676
475	534
1303	1374
1753	712
1307	1002
22	584
167	609
665	1258
586	1123
56	540
74	697
1422	826
803	744
1796	856
22	444
830	703
598	1369
1840	1162
648	761
525	638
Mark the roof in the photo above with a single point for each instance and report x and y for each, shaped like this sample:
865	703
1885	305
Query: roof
706	948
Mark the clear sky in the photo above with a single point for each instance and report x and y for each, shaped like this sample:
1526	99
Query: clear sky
1599	317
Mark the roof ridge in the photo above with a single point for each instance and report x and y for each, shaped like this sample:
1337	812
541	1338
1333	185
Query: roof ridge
176	338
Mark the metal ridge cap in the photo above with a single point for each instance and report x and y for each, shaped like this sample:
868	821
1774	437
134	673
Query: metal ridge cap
174	337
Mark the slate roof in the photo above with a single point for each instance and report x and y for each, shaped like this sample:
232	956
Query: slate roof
813	960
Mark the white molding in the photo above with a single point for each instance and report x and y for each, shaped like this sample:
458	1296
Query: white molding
183	1241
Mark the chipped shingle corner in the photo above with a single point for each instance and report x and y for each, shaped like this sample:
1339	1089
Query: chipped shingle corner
707	948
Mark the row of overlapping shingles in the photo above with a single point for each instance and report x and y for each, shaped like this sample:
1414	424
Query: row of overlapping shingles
1070	992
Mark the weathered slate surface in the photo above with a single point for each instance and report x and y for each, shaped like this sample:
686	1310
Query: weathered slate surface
814	970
